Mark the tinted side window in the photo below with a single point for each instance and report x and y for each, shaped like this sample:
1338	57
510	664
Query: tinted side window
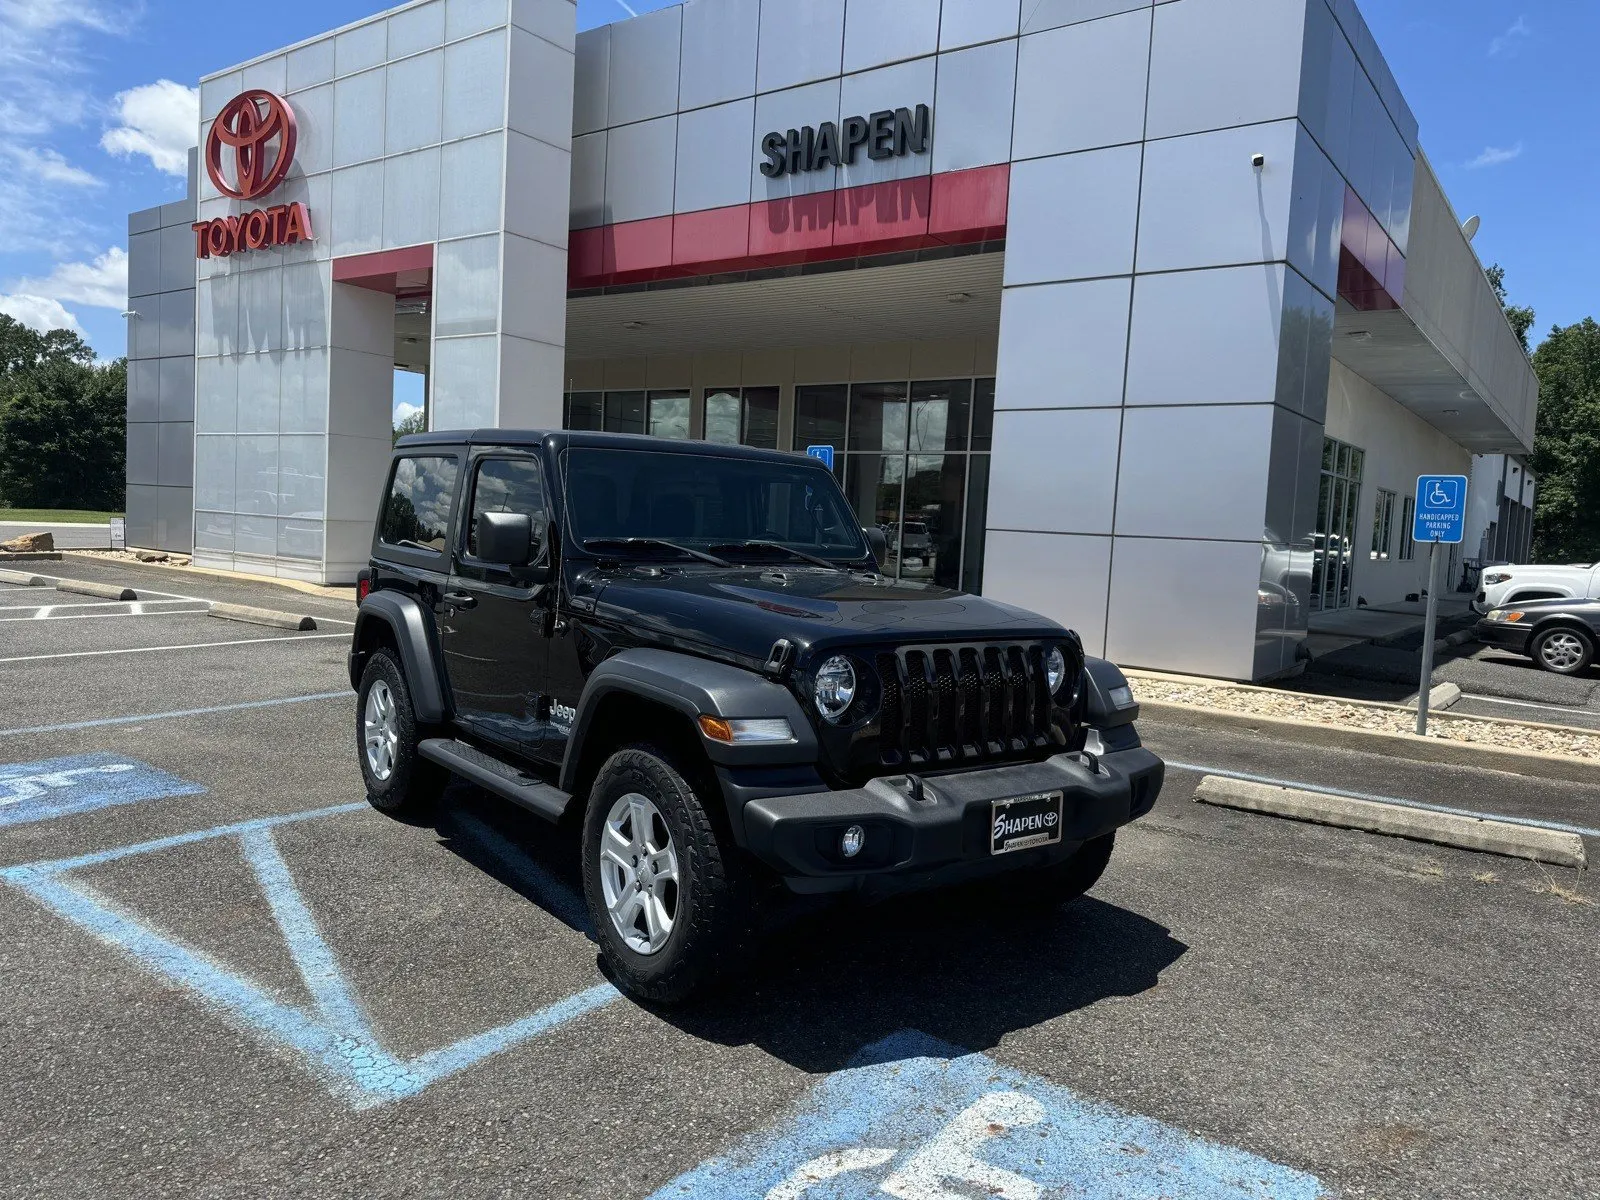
508	485
416	514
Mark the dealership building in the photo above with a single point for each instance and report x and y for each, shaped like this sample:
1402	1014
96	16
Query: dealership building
1143	315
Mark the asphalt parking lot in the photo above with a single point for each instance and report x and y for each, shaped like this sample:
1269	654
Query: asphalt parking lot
224	974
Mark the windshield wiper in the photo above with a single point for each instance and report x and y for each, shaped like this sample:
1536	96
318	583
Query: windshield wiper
629	543
814	559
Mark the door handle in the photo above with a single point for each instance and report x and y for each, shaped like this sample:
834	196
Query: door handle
461	600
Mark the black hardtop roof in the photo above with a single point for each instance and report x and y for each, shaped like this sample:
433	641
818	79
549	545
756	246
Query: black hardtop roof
562	438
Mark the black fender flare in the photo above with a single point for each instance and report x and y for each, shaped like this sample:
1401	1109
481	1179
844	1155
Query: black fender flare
1101	678
409	626
694	686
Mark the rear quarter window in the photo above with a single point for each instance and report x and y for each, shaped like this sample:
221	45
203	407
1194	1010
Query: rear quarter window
416	512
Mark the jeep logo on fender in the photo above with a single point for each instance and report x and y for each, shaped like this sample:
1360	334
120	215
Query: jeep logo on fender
259	128
891	133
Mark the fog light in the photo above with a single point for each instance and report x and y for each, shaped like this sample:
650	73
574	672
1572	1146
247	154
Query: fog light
854	838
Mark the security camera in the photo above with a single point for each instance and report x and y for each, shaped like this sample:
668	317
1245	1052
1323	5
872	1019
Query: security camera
1258	161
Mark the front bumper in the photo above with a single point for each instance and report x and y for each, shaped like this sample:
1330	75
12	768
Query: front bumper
944	834
1504	634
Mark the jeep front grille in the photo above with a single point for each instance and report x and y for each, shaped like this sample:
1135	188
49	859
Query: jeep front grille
953	704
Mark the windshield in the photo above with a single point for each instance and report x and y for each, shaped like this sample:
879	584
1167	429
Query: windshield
701	501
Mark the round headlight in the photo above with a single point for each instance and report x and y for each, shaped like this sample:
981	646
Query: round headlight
1055	669
835	687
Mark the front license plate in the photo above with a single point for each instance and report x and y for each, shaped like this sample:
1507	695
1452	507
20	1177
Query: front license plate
1024	822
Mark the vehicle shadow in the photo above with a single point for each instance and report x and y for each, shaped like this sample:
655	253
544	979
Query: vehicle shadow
836	980
823	981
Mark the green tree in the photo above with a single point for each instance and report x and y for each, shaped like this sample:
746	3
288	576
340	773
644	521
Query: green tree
23	349
63	430
1521	318
1566	446
417	422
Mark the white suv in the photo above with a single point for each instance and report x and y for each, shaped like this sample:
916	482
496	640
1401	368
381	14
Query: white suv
1514	584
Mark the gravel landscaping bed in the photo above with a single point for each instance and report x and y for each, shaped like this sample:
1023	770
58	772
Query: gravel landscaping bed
1265	702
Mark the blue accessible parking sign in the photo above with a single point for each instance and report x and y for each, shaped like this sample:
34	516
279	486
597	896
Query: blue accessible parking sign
1441	509
823	454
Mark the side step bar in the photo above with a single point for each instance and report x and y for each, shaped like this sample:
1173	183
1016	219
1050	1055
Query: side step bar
499	777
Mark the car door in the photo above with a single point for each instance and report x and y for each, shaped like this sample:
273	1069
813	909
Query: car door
493	634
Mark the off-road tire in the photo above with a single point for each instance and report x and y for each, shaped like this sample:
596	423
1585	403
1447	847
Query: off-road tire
715	901
414	785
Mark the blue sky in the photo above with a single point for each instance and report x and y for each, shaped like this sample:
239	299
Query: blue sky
96	108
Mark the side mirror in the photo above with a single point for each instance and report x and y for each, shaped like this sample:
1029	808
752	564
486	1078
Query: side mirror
505	539
877	543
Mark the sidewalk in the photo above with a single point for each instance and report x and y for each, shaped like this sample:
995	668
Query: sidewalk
1397	626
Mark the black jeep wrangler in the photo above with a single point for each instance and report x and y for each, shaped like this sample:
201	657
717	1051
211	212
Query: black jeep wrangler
690	649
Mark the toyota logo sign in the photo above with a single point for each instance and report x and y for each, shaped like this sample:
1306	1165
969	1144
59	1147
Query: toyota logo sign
259	128
249	124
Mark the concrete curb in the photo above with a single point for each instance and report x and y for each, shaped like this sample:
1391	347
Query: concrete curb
1397	820
338	591
31	556
106	591
263	616
1565	768
23	579
1440	697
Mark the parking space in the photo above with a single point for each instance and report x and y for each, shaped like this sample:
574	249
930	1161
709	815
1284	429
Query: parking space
225	974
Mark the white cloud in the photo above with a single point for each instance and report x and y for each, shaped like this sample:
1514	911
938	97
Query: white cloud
102	283
1493	156
404	411
158	120
38	312
49	165
40	15
1518	29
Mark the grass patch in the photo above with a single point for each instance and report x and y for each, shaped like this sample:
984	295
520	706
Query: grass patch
57	516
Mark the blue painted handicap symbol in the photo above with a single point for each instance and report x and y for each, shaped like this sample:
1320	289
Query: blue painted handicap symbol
918	1119
333	1034
57	787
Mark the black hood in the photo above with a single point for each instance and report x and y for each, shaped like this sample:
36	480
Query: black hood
746	609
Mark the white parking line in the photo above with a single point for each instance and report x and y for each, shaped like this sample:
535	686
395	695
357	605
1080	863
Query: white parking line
305	637
1565	708
105	616
168	716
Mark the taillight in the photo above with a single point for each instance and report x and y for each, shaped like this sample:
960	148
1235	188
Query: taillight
363	587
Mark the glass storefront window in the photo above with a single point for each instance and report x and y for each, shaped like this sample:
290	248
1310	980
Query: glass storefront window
930	541
877	417
761	417
874	483
977	521
819	415
743	416
941	415
983	417
625	412
723	410
1334	540
669	414
585	410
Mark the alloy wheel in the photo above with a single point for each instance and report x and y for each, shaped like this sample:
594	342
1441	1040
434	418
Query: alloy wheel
380	730
639	873
1561	651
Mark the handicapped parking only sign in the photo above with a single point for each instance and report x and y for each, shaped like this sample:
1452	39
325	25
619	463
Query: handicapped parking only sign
823	454
1441	509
